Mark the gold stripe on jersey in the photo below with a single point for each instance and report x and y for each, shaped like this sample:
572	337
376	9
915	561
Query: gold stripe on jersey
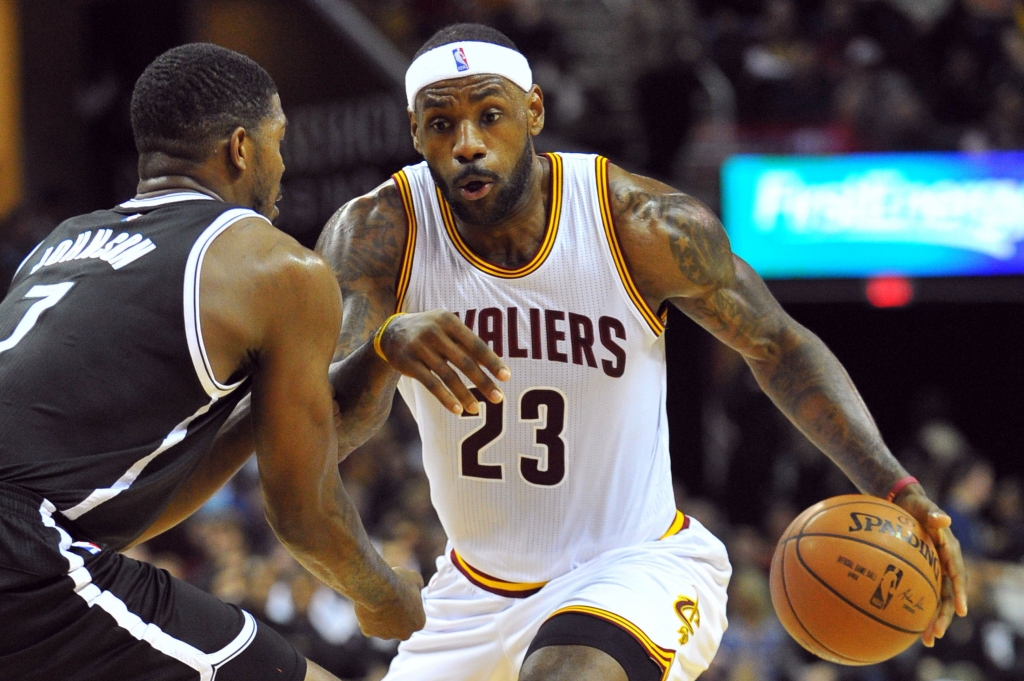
554	217
603	195
662	656
679	523
493	584
402	182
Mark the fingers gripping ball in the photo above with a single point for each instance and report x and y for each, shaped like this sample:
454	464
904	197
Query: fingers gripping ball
855	580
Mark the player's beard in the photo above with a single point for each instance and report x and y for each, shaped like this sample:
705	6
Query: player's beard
506	198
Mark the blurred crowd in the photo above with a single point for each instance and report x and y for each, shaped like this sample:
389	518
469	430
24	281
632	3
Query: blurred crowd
673	87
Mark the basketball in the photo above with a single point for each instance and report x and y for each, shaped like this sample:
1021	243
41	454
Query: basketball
855	580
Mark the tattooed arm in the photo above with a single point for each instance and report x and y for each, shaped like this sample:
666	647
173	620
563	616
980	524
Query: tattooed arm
677	250
365	245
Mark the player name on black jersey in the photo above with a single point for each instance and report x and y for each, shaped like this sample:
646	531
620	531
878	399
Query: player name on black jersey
118	251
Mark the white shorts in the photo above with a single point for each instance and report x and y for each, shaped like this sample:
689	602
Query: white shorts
668	594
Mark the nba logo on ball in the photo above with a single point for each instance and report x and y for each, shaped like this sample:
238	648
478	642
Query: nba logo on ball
460	59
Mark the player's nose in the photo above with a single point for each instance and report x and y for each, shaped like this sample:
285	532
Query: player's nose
469	144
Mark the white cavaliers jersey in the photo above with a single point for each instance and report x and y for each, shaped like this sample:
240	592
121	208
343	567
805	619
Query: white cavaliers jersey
575	461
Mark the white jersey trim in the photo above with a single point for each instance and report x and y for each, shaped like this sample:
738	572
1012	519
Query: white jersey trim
193	326
204	663
104	494
27	259
165	199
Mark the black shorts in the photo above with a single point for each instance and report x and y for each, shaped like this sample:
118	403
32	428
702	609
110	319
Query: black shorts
72	610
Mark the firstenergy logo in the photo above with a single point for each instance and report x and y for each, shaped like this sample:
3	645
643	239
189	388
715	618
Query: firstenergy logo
885	206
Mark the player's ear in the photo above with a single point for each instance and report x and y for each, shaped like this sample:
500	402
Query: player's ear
239	148
535	110
414	128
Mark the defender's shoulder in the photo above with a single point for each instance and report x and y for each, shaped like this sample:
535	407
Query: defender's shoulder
265	253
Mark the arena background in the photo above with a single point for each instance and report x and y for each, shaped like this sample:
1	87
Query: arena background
670	88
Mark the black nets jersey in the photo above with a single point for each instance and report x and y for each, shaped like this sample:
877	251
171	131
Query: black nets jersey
107	398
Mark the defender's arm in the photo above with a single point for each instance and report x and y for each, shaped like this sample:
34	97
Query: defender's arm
293	423
677	250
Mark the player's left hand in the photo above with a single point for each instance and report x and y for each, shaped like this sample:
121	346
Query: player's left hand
954	576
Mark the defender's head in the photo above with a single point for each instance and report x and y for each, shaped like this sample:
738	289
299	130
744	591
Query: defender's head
201	108
474	111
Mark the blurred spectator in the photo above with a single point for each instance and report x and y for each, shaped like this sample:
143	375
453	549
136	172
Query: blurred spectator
1008	520
755	646
967	492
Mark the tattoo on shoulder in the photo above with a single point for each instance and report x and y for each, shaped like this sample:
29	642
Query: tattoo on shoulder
364	242
695	239
365	238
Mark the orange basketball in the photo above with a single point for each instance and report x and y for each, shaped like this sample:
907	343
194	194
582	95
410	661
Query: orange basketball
855	580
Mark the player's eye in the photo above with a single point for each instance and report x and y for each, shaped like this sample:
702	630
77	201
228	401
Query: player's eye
440	124
491	116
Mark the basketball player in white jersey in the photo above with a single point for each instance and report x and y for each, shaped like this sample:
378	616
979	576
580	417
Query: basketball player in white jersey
567	557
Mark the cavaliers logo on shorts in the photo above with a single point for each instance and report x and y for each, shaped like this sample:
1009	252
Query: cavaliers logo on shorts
688	611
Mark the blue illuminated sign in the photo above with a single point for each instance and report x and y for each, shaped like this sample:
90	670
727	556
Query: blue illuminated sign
862	215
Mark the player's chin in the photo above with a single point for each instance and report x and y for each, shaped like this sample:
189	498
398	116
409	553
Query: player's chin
483	211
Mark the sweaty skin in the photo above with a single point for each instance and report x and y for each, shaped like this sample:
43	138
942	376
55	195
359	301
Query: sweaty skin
677	251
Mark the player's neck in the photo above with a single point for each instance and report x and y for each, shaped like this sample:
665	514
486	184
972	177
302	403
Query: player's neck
167	184
516	240
161	173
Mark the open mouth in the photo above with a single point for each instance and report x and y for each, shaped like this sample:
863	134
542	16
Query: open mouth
475	189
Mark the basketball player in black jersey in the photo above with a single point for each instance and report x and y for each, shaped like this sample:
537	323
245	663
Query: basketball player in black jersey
470	130
128	337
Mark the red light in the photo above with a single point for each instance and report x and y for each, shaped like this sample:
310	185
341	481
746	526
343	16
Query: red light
889	291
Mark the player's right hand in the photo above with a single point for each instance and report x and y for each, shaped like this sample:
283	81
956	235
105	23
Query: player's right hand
429	346
936	523
402	615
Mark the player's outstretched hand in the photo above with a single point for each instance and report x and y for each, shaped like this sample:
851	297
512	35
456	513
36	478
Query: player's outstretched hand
429	346
402	615
954	576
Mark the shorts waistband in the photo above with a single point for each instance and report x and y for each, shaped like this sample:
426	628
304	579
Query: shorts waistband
14	498
501	587
679	523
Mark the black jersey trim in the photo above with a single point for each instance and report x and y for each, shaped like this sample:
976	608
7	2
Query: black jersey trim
104	494
193	327
27	258
154	201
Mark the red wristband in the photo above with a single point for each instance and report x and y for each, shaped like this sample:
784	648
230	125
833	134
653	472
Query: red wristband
898	487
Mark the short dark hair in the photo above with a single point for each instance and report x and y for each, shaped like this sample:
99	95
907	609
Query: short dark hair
193	95
457	33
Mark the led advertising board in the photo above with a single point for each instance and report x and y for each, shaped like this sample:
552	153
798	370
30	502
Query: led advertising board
865	215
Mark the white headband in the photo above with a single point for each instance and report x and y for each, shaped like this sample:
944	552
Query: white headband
461	59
